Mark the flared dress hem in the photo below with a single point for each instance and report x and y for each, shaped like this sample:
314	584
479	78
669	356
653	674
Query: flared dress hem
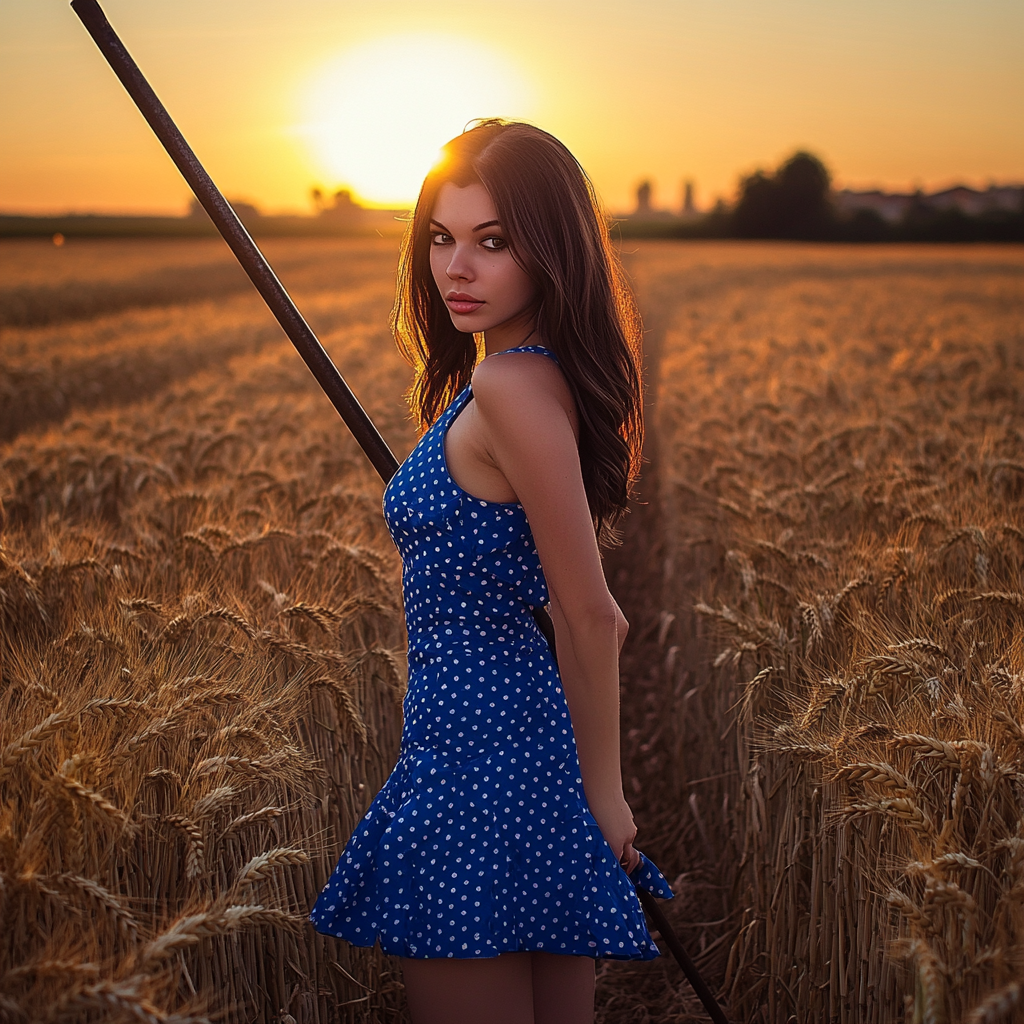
432	872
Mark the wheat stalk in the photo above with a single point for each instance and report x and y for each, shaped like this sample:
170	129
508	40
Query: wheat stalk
96	801
105	898
195	857
30	741
996	1006
263	866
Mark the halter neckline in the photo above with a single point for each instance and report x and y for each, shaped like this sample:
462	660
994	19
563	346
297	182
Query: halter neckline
522	348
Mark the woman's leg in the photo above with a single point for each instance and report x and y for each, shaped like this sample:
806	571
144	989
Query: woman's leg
483	990
563	988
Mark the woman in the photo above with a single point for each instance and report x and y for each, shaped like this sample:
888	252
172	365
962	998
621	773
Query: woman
497	860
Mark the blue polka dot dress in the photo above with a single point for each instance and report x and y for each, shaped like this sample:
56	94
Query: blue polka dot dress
481	841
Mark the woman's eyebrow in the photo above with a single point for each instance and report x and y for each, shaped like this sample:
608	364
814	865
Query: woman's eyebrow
479	227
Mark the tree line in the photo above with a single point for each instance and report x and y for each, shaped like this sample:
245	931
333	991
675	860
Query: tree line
796	202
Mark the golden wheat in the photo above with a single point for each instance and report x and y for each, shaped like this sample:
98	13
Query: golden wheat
837	435
166	721
201	644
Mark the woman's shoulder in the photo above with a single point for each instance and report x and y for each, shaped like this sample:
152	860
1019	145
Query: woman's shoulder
511	386
510	377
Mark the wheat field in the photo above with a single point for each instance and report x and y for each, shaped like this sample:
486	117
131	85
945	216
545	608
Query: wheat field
202	651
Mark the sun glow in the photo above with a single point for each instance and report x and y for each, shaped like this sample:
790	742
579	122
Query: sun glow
376	116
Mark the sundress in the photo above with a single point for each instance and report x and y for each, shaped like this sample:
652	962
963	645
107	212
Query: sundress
481	841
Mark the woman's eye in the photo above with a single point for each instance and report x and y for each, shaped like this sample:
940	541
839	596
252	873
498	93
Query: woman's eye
440	238
494	242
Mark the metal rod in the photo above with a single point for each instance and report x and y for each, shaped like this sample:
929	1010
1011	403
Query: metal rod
305	341
245	249
697	983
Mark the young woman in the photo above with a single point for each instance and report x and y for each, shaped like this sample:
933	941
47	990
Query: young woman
497	860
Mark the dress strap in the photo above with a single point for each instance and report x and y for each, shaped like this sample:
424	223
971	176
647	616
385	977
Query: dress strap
539	349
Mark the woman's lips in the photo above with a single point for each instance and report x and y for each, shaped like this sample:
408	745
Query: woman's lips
460	303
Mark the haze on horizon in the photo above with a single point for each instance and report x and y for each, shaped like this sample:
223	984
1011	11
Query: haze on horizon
893	95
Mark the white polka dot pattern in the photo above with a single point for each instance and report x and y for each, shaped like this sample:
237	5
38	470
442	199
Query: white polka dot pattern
481	840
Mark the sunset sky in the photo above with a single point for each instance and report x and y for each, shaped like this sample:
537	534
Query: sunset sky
278	97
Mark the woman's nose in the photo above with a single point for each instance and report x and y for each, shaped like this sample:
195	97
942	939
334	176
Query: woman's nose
459	268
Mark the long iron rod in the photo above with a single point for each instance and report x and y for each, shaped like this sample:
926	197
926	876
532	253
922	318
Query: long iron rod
305	341
693	976
245	249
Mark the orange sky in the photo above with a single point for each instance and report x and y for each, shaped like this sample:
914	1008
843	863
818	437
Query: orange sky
898	94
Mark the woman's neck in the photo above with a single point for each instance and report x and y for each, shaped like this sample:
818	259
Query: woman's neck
512	334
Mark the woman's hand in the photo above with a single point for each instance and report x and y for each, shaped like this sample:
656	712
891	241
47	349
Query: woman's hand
616	822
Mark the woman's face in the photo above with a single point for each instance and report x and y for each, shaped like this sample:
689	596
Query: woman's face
481	284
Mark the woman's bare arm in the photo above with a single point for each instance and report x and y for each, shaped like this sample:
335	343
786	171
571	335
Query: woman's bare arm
621	625
523	409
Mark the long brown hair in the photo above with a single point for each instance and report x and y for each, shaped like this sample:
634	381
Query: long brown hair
586	313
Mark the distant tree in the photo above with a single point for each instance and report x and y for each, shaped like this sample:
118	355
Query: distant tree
864	226
757	211
792	203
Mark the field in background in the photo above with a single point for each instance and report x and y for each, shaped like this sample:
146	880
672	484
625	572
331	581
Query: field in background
828	684
202	649
201	643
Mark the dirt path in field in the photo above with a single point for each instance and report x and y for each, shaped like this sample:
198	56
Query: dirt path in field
656	991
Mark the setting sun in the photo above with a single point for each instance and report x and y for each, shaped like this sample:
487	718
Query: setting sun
375	117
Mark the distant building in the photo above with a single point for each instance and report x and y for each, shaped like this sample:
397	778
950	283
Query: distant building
343	210
889	206
643	200
344	207
689	209
644	208
893	206
972	202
